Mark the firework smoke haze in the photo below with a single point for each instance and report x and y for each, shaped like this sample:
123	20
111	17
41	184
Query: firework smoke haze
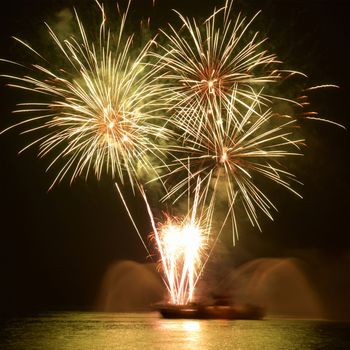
103	112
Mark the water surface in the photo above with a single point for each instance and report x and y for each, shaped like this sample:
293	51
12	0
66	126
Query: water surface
100	331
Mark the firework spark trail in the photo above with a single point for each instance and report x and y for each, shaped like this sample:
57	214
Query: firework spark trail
181	243
314	115
104	111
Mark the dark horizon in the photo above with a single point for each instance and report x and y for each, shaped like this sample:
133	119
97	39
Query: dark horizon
56	245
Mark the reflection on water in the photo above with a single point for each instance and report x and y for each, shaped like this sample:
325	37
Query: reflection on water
75	331
185	334
186	325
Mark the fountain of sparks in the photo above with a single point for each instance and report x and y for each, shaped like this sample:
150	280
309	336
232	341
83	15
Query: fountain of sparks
182	246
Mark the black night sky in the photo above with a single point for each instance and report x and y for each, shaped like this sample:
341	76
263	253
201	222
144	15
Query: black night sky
56	245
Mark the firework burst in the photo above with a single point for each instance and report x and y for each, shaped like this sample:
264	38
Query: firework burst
232	150
104	110
206	62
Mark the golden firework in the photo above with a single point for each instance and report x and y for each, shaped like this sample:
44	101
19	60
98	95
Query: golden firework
103	112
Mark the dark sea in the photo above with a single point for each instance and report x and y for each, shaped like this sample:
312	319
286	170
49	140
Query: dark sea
99	331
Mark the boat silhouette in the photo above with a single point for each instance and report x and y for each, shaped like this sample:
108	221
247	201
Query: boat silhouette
215	311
